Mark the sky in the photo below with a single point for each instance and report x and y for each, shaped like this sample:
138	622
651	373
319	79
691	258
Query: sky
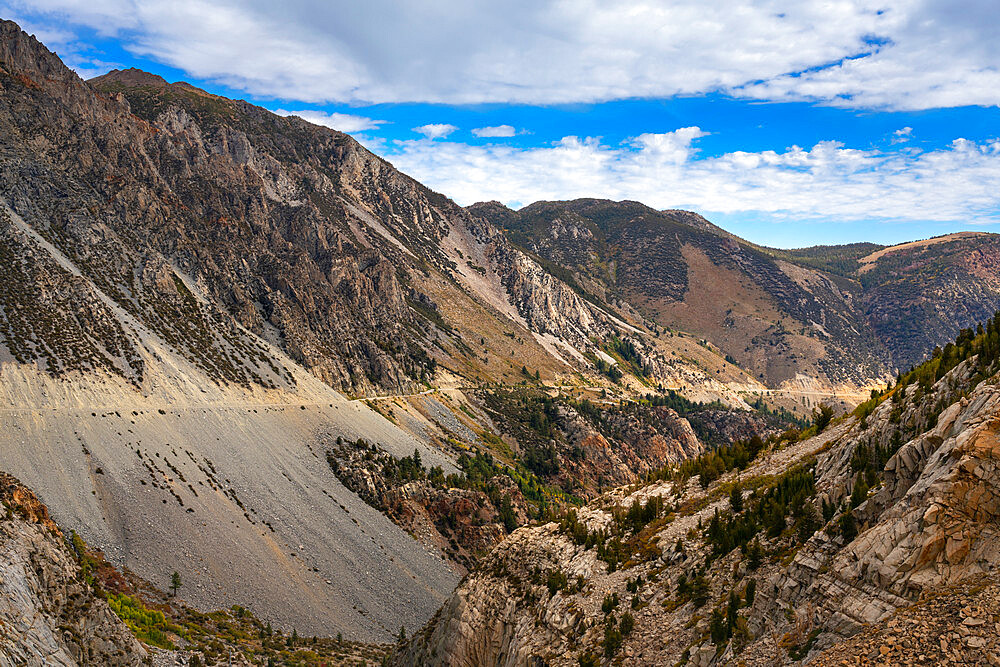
788	123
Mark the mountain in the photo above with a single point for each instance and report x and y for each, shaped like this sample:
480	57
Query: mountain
187	285
870	542
835	315
243	348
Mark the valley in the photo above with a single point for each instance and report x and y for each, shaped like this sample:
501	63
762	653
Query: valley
245	349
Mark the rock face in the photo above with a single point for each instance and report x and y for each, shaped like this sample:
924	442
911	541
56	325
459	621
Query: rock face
934	522
463	524
48	614
956	626
588	446
914	555
208	219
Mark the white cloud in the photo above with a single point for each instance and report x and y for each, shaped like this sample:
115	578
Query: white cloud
435	130
342	122
902	135
935	55
899	54
960	182
495	131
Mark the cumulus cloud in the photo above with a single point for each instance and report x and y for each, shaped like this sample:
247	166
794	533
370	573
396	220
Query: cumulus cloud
342	122
959	182
435	130
495	131
899	54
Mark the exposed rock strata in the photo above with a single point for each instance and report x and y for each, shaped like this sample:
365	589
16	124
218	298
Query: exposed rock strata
48	614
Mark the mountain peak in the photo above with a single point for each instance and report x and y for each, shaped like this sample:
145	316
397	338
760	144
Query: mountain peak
132	76
137	78
24	54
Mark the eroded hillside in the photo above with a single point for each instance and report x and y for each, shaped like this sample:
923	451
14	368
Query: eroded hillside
887	519
834	315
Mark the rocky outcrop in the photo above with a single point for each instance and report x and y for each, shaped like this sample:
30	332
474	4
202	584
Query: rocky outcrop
625	442
935	522
444	514
586	446
48	613
956	625
887	557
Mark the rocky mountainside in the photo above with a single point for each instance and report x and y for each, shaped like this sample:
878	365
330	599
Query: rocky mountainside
48	614
204	218
551	452
189	286
838	314
887	523
187	283
63	604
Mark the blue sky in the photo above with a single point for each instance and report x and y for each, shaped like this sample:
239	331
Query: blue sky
790	124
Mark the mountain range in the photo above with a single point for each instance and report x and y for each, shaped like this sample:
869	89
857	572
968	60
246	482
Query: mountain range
245	348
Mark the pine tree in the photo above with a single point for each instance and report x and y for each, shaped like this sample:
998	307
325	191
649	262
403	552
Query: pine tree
736	499
732	611
860	492
717	627
700	591
175	583
808	523
755	555
750	592
848	527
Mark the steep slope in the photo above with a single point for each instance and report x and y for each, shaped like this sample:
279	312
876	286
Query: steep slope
780	321
48	614
918	295
832	314
889	518
146	415
185	282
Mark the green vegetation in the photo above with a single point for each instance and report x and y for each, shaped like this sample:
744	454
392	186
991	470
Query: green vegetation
981	342
148	625
175	583
778	414
430	314
767	510
209	638
530	416
624	351
48	327
679	404
840	260
478	473
556	581
797	653
713	464
822	417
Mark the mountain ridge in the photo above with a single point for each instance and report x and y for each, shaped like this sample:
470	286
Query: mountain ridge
842	299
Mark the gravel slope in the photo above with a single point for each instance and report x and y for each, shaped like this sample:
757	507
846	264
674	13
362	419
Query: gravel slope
228	486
